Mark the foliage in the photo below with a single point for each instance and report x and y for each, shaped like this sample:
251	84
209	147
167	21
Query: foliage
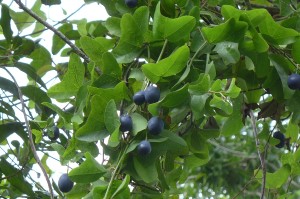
215	62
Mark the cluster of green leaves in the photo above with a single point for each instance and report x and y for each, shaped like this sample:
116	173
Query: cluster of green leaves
213	63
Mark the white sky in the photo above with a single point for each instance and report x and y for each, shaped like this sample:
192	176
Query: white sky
55	13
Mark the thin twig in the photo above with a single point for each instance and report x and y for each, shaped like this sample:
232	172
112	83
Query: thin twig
246	185
59	22
233	152
260	155
54	30
31	142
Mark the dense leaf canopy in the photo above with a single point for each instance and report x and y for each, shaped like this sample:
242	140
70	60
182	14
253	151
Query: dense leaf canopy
222	68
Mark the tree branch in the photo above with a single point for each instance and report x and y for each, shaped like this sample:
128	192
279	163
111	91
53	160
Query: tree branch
260	155
54	30
59	22
31	142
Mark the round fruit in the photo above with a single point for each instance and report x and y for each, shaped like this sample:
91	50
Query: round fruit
126	123
144	147
131	3
55	134
294	81
152	94
64	183
139	98
155	125
278	135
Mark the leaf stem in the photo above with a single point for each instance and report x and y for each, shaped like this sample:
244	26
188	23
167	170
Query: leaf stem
120	161
162	51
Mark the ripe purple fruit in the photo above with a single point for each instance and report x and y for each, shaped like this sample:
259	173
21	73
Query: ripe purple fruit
280	136
152	94
131	3
64	183
144	147
126	123
293	81
55	134
139	98
155	125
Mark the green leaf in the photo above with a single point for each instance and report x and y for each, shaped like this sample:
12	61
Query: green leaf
22	19
196	160
282	66
197	143
172	30
5	22
201	85
88	171
275	33
221	103
292	131
9	86
94	128
231	30
123	186
197	104
228	51
41	60
38	135
71	82
234	124
57	42
261	18
133	31
113	26
296	50
146	169
233	91
64	115
139	123
30	71
110	65
44	163
92	48
18	180
118	93
277	179
167	67
111	118
176	98
7	129
78	191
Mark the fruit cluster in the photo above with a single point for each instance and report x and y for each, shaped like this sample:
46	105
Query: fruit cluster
155	124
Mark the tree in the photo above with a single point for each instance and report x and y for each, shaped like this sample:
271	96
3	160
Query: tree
221	71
